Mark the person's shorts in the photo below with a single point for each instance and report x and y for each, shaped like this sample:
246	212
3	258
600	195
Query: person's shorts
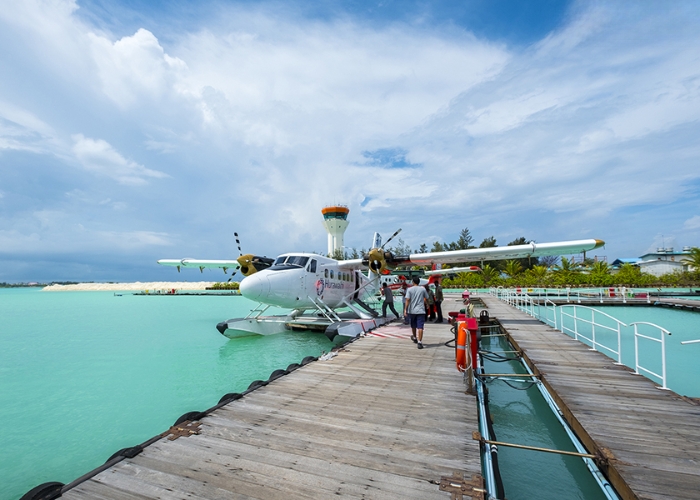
417	321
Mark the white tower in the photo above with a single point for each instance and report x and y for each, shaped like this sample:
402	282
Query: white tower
335	220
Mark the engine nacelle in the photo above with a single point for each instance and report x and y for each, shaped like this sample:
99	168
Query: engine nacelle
251	264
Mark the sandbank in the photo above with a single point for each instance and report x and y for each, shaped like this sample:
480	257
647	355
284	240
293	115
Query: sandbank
137	286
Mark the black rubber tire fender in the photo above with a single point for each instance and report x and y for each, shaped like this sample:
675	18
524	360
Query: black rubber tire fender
45	491
231	396
307	360
190	415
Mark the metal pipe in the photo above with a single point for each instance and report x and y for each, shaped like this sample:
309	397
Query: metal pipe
537	448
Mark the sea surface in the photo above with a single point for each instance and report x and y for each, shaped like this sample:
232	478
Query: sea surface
84	374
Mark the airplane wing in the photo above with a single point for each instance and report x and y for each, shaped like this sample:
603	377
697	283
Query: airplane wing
453	270
351	264
508	252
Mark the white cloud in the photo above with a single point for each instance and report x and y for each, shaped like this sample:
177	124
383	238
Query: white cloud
692	224
99	157
135	67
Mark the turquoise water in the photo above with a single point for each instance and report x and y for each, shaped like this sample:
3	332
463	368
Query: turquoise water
84	374
682	368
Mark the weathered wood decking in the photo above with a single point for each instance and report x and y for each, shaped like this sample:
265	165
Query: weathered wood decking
652	435
380	420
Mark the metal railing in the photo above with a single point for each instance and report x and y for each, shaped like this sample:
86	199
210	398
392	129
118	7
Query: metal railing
602	294
582	326
578	320
660	340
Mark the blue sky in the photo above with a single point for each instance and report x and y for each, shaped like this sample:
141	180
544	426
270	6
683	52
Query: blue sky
132	131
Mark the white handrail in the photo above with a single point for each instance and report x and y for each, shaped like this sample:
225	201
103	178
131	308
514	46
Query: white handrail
594	324
527	304
690	342
662	341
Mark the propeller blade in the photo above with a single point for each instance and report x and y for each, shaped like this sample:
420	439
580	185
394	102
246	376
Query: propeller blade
391	238
239	244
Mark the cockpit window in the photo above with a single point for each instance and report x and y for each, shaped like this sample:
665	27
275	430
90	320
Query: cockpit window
312	266
289	262
296	260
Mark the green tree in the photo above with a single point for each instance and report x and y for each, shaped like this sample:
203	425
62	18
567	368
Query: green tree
512	268
538	274
631	275
437	247
465	240
490	274
401	248
600	274
693	260
488	242
423	248
566	273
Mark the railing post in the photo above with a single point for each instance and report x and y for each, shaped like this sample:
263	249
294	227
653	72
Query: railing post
619	345
593	329
663	360
636	351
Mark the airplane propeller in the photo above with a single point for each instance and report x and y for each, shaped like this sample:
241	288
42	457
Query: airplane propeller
379	260
249	264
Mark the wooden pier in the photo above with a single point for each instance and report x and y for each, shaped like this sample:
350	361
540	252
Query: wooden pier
382	420
651	436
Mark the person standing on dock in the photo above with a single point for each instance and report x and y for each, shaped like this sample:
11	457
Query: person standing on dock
439	297
388	301
416	305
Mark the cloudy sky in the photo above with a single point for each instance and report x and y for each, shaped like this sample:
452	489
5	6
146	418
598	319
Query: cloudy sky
132	131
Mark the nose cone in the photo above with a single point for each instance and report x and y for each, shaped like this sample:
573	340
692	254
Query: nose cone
255	287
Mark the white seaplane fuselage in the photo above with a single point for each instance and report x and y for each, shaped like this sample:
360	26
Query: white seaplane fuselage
301	280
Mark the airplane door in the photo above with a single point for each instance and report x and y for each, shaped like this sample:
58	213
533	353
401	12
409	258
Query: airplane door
311	278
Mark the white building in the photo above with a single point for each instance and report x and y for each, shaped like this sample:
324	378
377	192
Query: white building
663	261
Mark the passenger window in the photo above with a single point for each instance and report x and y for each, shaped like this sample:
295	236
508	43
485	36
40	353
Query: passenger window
326	273
331	274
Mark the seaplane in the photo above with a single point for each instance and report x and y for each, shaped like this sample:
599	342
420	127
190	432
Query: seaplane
329	295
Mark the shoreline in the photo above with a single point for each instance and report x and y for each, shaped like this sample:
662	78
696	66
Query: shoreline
130	287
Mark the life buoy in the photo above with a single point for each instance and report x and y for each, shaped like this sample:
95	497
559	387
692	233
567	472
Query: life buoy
461	346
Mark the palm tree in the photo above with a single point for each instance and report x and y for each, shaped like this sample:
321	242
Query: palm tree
600	274
566	271
489	273
513	268
539	273
693	260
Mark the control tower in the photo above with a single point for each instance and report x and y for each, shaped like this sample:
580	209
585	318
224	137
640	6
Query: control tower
335	220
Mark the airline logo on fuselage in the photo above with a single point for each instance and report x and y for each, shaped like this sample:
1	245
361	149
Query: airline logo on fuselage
324	284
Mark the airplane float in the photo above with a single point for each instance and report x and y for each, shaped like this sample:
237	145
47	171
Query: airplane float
329	295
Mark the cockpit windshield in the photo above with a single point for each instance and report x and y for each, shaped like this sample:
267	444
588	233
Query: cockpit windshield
289	262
